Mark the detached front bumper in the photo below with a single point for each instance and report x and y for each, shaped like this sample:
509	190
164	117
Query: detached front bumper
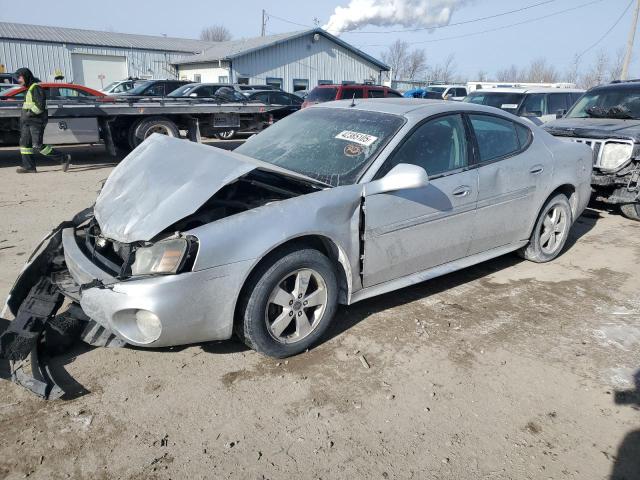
189	307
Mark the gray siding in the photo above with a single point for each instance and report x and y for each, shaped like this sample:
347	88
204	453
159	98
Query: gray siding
44	58
302	58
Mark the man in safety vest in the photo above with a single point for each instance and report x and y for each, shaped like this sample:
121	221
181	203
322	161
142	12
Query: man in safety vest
33	120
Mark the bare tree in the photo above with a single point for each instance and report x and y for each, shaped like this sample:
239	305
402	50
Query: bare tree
541	72
215	33
597	73
510	74
615	67
573	72
396	57
481	76
445	71
416	64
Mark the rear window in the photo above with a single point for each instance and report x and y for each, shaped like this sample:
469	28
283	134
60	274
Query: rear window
322	94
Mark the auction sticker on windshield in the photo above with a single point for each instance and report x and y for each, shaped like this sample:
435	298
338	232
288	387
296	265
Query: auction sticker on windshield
357	137
509	105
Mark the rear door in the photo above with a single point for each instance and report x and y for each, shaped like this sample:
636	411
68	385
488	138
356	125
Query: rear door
409	231
513	175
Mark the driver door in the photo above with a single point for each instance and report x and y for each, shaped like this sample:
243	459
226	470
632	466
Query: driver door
409	231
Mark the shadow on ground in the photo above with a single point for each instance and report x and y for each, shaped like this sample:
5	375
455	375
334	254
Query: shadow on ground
627	461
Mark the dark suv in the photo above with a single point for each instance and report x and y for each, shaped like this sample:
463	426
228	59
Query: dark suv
155	88
607	119
327	93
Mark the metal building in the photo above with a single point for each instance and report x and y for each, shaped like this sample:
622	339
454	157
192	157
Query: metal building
292	61
91	58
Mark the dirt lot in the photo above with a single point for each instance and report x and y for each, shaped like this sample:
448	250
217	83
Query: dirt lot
507	370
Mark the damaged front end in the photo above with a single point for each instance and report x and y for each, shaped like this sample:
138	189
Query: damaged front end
38	332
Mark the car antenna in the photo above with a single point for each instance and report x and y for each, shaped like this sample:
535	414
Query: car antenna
353	101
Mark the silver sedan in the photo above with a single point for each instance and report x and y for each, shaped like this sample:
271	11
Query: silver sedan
332	205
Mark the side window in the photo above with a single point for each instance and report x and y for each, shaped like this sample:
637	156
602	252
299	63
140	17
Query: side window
438	146
278	98
533	105
156	90
376	93
262	97
524	135
574	98
349	93
496	137
461	92
393	93
557	101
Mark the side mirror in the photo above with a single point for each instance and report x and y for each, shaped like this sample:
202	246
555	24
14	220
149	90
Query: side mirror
560	113
401	177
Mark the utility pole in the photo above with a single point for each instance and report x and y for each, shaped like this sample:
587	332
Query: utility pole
632	34
264	21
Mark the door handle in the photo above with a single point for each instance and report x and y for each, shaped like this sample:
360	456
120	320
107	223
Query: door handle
536	169
461	191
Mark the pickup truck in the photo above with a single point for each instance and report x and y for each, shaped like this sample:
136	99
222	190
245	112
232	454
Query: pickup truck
607	119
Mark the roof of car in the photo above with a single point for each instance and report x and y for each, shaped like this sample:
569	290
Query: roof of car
407	107
618	85
529	90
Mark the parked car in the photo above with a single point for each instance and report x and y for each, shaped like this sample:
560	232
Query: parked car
199	90
439	92
7	86
121	86
327	93
247	89
290	104
334	204
154	88
607	119
539	105
53	90
301	93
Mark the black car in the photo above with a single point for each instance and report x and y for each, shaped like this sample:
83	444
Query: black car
155	88
291	103
607	119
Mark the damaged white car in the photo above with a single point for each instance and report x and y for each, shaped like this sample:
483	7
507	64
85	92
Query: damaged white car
337	203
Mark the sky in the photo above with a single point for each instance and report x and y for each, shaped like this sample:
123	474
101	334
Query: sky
557	38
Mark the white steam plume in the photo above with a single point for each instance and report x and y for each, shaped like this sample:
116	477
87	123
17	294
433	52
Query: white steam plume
385	13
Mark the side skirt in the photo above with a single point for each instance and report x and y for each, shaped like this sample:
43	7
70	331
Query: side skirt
438	271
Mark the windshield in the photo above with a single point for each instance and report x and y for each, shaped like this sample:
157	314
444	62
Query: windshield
10	90
322	94
602	104
504	100
331	145
182	91
110	86
139	88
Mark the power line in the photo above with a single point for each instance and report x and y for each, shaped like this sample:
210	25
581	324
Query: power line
495	29
473	20
289	21
608	31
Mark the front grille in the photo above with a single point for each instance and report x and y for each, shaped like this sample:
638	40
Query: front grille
111	256
597	146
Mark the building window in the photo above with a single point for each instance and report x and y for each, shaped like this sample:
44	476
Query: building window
325	82
243	80
274	82
197	77
300	84
223	79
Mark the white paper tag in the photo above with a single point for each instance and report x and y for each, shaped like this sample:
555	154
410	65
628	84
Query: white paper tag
356	137
509	105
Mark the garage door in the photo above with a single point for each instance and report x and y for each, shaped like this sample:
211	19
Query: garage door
98	71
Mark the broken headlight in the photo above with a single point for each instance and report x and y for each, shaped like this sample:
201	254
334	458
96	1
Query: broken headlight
615	155
161	258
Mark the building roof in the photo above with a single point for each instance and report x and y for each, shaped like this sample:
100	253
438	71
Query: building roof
41	33
237	48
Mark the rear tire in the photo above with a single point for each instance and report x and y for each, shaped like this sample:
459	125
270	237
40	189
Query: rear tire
288	303
139	131
550	232
631	211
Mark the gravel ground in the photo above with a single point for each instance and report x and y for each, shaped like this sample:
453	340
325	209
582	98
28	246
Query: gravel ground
506	370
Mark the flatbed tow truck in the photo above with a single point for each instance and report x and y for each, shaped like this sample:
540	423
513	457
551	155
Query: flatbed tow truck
124	122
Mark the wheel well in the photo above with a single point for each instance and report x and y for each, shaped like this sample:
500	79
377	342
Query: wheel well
318	242
570	192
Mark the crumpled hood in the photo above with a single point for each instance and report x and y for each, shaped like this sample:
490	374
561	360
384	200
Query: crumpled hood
162	181
595	128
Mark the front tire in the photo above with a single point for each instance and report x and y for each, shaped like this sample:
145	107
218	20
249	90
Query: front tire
288	303
631	211
550	232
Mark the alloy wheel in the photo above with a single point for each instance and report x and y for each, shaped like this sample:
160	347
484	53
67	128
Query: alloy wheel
552	230
296	306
